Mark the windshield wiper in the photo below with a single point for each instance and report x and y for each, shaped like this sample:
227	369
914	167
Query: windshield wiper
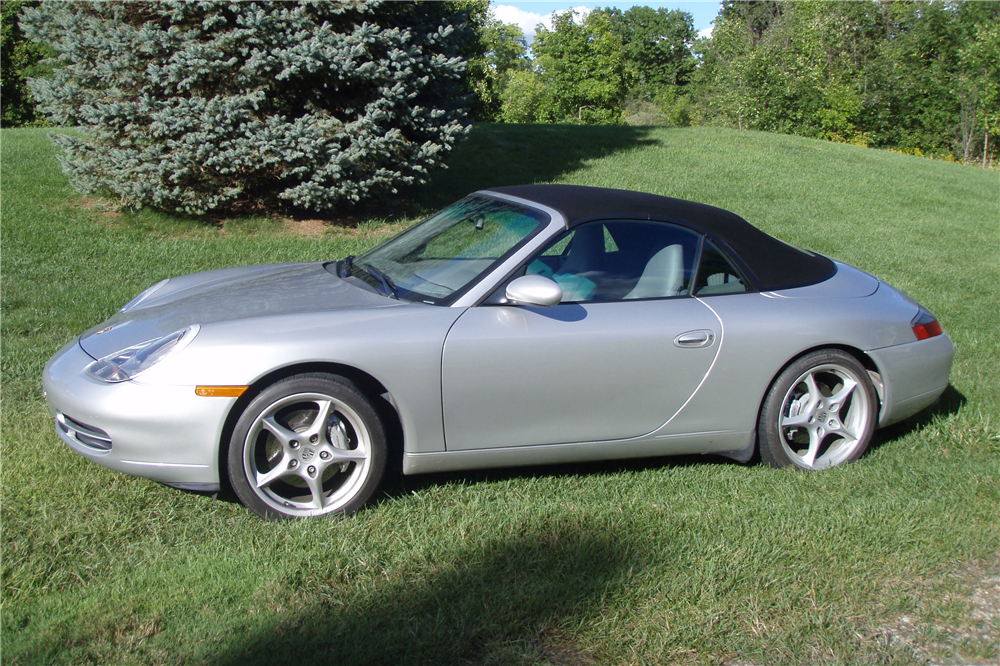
390	287
347	268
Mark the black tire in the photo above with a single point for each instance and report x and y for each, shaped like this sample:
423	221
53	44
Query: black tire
820	412
287	460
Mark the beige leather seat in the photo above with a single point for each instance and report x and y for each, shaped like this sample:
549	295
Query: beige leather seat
663	275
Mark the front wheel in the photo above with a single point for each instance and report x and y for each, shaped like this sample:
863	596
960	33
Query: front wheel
308	445
820	412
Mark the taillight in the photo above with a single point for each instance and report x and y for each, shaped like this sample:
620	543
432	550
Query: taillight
925	325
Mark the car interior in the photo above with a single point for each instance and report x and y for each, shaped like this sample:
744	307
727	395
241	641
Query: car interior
633	259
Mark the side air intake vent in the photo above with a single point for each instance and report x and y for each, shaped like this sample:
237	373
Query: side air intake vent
89	436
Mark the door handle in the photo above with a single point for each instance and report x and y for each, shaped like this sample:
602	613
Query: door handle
693	339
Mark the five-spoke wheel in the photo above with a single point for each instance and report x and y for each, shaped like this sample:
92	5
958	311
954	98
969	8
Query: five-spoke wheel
308	445
820	412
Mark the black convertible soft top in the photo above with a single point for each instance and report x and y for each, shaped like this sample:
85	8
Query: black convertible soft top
771	264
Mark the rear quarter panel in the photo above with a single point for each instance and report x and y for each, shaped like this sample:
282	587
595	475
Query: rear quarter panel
764	332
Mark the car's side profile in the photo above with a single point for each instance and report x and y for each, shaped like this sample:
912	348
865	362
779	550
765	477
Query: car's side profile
522	325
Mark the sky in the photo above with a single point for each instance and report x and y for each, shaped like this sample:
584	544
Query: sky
527	14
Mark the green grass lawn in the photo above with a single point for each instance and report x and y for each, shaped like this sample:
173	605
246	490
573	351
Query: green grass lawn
668	561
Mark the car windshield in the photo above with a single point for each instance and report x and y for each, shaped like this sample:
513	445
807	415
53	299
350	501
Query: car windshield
436	260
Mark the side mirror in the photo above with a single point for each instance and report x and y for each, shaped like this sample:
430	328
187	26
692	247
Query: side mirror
534	290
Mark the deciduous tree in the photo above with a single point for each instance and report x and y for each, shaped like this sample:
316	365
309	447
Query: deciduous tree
503	52
19	58
582	64
657	44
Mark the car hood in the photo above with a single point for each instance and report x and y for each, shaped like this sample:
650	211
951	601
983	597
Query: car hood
228	295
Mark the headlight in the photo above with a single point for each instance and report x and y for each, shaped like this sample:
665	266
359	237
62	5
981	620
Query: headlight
128	363
143	296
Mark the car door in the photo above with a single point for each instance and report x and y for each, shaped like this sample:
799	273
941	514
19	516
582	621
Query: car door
616	359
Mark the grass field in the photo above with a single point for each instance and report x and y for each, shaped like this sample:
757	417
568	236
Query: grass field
894	559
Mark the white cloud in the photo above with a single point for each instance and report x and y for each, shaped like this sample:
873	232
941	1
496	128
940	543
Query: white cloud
582	11
528	20
706	32
524	20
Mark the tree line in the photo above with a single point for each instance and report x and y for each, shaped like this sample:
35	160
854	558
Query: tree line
919	77
219	106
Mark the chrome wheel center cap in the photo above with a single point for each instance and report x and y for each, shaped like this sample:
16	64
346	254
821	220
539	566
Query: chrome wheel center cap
308	453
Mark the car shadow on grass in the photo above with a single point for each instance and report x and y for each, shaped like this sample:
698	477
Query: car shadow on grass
399	485
497	598
949	404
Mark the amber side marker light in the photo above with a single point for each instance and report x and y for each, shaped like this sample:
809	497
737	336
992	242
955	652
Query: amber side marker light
220	391
925	325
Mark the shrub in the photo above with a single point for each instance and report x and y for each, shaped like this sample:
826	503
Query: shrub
212	106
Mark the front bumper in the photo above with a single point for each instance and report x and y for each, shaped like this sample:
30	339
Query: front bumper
164	433
914	375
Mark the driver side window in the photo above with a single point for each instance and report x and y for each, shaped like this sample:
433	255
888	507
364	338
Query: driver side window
619	260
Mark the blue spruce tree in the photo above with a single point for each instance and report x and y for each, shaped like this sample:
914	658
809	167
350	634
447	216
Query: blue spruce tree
219	106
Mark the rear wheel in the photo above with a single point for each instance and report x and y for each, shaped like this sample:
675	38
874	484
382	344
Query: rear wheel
820	412
308	445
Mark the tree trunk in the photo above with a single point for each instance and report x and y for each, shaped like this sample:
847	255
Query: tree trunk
986	144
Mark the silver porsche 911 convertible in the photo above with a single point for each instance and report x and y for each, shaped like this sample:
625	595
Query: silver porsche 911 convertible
522	325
